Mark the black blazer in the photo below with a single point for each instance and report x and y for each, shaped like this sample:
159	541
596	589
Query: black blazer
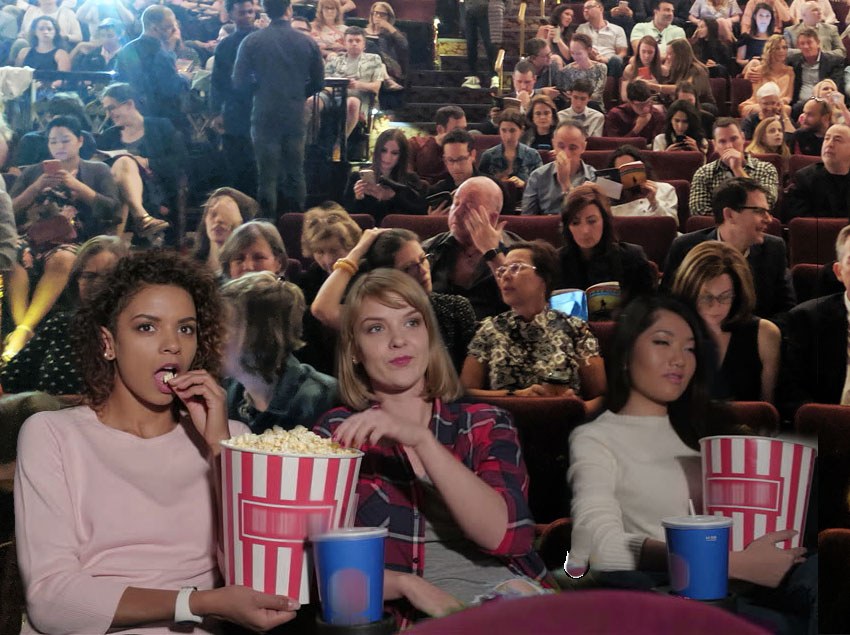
768	262
814	355
831	66
816	192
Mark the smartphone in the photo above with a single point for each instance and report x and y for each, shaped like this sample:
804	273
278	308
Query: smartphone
644	72
51	166
368	176
184	65
680	138
836	97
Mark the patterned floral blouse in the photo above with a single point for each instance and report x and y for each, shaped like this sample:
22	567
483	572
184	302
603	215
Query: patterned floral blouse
519	353
596	75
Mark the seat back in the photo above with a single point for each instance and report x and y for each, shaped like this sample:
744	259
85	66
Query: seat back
653	233
834	583
683	193
546	228
483	142
604	332
812	240
798	162
739	90
598	159
612	143
291	224
759	416
720	91
544	425
422	226
668	166
805	277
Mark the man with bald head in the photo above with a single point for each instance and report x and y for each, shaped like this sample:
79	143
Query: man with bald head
464	258
823	189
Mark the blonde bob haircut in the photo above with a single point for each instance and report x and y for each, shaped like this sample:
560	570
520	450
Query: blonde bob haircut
712	259
269	312
328	221
397	290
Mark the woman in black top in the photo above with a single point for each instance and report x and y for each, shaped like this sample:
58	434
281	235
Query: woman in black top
592	253
390	189
542	120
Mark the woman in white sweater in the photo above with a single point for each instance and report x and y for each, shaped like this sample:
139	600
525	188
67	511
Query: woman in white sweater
638	462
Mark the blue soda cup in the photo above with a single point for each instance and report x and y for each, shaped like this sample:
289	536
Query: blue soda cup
350	574
698	555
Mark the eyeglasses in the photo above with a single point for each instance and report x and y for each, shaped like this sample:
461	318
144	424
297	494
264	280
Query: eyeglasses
381	14
456	160
514	268
724	299
329	219
761	211
413	268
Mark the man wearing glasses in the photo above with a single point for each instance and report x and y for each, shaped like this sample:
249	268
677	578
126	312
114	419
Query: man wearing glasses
609	40
661	27
546	66
742	214
823	189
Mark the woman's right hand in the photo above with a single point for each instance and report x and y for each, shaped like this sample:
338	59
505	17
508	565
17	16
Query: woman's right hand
762	562
244	606
367	238
535	390
360	189
426	597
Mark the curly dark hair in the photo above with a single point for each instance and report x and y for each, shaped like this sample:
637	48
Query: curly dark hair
113	293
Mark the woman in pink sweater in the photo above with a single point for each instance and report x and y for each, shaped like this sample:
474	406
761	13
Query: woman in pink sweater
116	501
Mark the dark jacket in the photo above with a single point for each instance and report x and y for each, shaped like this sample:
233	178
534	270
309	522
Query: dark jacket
814	355
409	198
831	66
234	105
816	192
768	262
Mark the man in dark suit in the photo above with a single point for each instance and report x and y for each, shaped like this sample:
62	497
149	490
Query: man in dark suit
742	214
823	189
814	357
812	65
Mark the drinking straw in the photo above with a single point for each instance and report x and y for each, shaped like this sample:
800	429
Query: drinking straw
691	507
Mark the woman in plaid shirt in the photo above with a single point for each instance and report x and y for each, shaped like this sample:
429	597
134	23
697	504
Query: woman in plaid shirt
445	477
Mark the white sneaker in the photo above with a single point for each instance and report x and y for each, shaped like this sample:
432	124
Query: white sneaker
471	82
494	83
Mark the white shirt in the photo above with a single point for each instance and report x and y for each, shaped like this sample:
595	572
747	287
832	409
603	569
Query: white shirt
606	40
591	119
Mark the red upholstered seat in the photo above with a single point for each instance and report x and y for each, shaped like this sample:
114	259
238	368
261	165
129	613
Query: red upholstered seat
834	583
597	159
423	226
683	192
739	90
759	416
612	143
667	166
546	228
289	225
798	162
604	332
482	142
720	91
653	233
805	277
598	611
812	240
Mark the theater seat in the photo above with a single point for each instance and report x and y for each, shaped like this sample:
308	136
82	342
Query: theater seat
594	611
834	581
760	416
653	233
598	159
720	92
683	192
669	166
483	142
422	226
740	90
604	332
798	162
290	225
547	227
612	143
812	240
806	280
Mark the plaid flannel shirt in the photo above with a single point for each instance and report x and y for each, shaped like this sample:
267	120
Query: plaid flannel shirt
484	439
713	174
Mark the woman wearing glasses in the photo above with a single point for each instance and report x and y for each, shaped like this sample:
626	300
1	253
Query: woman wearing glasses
397	249
391	44
532	350
328	28
716	280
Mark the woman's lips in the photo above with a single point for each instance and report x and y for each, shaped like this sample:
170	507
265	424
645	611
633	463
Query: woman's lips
402	361
675	378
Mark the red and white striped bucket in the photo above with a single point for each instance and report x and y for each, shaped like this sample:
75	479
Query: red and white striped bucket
762	484
271	503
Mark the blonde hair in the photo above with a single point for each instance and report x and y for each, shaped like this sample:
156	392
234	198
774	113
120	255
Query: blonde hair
767	55
710	260
319	20
758	146
328	221
397	290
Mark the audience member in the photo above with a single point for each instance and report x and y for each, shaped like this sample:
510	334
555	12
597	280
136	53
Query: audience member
771	68
391	43
267	385
545	67
686	91
101	53
650	198
626	14
712	49
328	28
282	68
638	117
532	350
812	65
48	362
779	9
591	119
826	89
231	107
661	27
742	211
387	187
253	246
769	104
769	138
459	159
563	27
609	40
224	210
402	409
151	72
548	184
32	147
477	24
592	253
733	161
426	152
510	161
716	281
64	19
91	494
813	17
815	354
724	13
645	64
682	130
822	189
150	162
814	122
398	249
752	43
44	52
683	65
543	118
798	11
94	13
464	258
584	67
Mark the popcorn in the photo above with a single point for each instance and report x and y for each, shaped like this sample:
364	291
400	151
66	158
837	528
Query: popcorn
299	440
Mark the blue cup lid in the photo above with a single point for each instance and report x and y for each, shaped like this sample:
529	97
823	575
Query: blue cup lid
696	522
351	533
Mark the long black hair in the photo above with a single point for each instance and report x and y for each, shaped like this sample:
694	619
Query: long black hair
694	131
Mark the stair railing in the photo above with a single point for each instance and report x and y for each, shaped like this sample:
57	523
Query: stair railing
521	21
499	68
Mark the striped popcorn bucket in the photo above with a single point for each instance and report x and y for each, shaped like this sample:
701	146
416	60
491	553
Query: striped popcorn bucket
762	484
271	503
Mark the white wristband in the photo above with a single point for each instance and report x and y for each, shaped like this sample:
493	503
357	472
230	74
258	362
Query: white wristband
182	614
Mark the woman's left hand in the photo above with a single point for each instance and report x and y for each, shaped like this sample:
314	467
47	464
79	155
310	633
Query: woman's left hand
374	425
518	182
690	144
204	399
483	234
69	180
384	193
